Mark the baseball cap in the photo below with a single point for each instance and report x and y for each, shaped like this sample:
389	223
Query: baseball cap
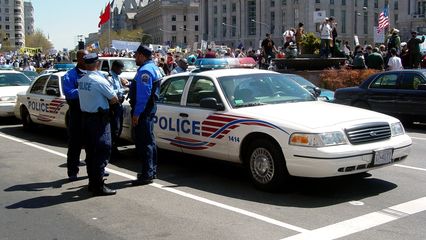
90	58
144	50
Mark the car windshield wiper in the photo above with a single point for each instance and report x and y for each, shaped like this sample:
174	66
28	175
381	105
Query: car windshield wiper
249	104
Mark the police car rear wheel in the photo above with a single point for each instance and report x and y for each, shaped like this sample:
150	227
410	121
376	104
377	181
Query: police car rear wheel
266	165
27	123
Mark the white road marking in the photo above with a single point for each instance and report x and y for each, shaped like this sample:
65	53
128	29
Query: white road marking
409	167
364	222
175	191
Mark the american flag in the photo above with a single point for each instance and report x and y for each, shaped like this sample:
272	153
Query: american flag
383	19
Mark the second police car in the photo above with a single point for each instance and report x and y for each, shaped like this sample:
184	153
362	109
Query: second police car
261	119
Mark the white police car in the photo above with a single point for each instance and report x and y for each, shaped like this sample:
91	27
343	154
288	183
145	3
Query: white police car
259	118
271	124
11	83
43	102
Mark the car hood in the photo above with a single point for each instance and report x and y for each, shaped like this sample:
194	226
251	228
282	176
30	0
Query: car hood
312	115
12	90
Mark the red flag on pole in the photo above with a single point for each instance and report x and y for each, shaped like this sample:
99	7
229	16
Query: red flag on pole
105	16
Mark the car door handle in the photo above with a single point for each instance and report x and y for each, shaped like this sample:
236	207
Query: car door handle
185	115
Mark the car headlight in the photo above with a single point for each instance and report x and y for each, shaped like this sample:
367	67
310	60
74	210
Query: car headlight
7	98
318	139
397	129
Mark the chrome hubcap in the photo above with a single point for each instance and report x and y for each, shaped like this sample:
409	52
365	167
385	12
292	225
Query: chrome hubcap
262	165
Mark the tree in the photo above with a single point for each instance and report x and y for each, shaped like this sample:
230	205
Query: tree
136	35
5	42
310	44
38	39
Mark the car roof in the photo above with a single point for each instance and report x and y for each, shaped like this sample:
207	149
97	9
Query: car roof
9	71
115	58
228	72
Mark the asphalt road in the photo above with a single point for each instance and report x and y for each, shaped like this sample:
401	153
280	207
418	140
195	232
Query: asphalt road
196	198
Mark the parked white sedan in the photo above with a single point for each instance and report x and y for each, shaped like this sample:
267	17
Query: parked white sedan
11	83
258	118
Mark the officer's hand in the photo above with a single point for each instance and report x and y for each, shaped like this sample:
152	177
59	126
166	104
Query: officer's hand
113	100
124	82
135	120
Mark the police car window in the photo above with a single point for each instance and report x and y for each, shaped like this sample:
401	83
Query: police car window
201	88
38	86
52	87
105	66
172	90
385	81
13	79
259	89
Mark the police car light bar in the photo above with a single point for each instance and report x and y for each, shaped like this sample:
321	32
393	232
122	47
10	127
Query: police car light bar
223	63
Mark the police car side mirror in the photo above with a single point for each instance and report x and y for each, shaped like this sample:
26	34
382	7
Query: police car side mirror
421	87
317	91
52	92
211	103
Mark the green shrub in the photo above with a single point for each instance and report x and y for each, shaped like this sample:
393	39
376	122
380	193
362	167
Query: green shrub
310	44
339	78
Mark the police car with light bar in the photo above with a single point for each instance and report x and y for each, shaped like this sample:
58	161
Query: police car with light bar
269	123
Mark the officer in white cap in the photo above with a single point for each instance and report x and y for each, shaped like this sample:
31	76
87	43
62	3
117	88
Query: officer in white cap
96	94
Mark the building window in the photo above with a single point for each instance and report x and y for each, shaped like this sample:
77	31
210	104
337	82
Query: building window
196	28
6	10
365	23
272	22
344	2
184	18
173	18
395	16
331	12
173	27
196	18
224	8
6	19
343	21
234	28
214	9
365	3
272	3
7	27
215	28
331	1
395	5
284	2
196	38
6	1
317	1
376	3
184	39
251	14
224	27
234	7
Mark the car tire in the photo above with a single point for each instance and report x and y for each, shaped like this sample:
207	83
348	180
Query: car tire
361	104
27	123
266	165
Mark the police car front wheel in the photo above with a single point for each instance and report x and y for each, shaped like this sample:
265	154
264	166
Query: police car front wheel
266	164
27	123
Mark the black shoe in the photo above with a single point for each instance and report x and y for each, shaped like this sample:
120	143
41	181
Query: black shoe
106	174
72	178
102	190
140	182
82	163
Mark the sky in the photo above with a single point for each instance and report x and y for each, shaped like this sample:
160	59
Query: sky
64	20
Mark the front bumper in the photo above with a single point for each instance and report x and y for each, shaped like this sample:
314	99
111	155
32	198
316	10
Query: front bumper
7	109
344	159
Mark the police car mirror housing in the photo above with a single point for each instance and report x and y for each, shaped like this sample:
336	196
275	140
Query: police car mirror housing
211	103
421	87
317	91
52	92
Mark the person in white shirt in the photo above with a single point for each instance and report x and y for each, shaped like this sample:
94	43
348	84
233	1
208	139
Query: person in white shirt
394	61
325	38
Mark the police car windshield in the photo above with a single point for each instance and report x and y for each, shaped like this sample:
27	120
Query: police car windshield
14	79
262	88
129	65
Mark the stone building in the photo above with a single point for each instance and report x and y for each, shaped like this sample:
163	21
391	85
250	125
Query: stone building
12	22
29	18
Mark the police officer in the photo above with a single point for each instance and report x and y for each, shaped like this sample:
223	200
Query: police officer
69	86
145	89
96	94
116	109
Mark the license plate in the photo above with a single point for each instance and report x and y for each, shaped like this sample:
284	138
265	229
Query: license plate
383	156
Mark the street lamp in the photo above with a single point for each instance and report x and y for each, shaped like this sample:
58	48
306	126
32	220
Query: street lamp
234	28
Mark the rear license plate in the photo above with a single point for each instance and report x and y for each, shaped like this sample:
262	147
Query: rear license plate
383	156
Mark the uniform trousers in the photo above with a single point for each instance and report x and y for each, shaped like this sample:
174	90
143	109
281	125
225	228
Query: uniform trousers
146	146
97	139
74	137
116	111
